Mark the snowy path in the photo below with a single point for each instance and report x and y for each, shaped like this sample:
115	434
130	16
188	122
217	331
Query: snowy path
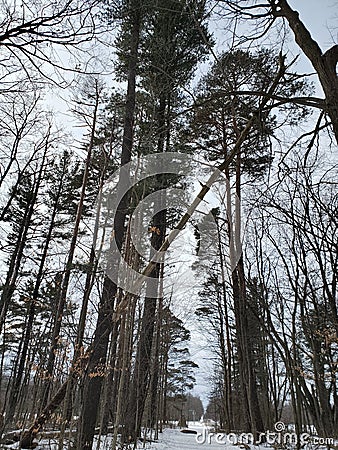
172	439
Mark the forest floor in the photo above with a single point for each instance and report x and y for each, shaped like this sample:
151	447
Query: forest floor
170	439
196	436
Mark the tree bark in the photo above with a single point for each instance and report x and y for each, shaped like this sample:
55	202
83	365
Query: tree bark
324	64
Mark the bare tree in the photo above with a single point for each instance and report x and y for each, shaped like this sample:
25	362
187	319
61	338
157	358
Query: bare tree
302	314
264	16
32	32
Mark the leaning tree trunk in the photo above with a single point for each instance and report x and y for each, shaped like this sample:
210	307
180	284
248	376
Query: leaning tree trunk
76	372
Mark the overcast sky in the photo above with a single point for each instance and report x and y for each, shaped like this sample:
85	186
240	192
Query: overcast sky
320	16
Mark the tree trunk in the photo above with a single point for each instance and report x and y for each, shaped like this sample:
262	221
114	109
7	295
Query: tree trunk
93	383
69	262
140	381
13	397
15	263
324	64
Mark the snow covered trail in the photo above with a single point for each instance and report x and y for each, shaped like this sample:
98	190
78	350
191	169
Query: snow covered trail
174	439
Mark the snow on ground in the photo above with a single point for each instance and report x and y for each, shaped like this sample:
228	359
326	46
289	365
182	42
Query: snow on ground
174	439
170	439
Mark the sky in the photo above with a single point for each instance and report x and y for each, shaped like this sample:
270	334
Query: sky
321	18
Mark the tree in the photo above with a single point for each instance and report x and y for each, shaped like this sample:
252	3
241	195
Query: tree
303	209
171	52
33	31
27	199
176	369
323	63
222	110
33	304
93	382
89	348
264	15
47	399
